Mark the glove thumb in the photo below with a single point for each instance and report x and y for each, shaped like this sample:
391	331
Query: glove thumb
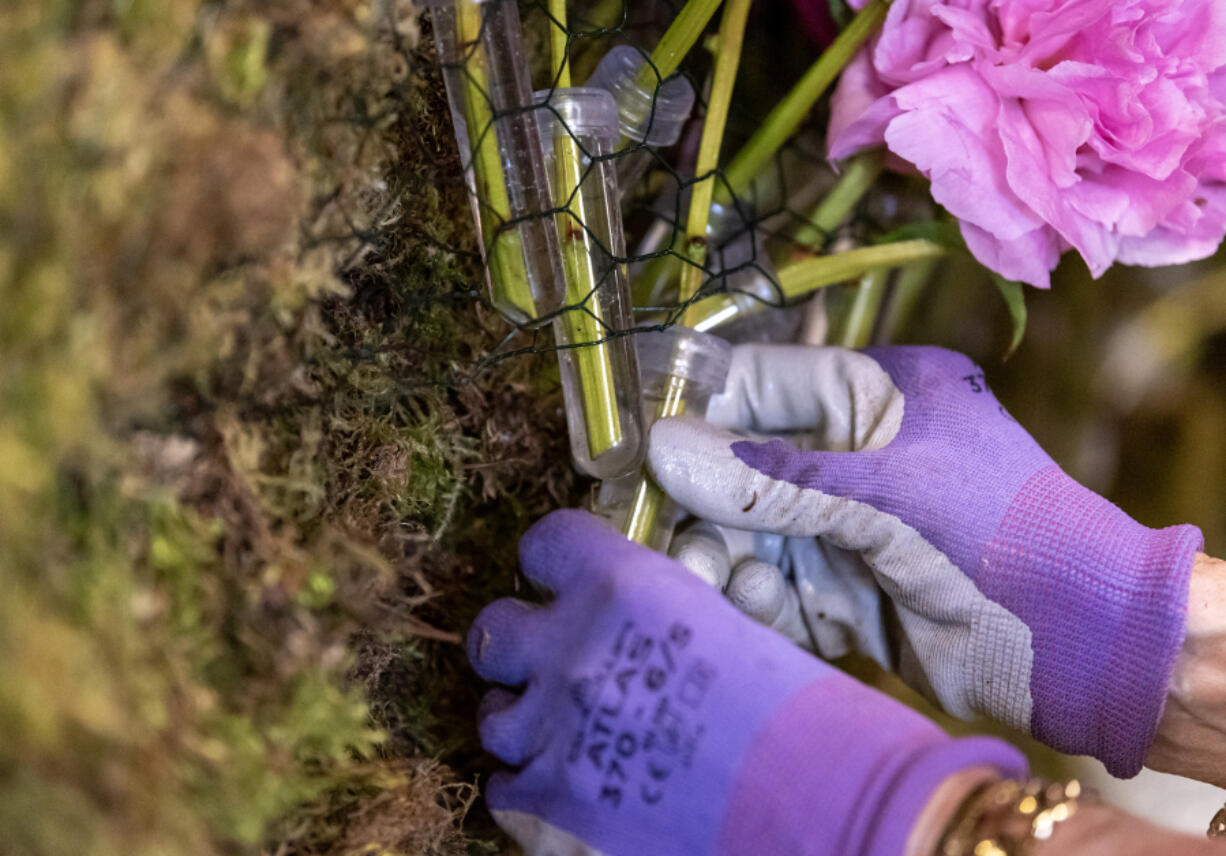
718	475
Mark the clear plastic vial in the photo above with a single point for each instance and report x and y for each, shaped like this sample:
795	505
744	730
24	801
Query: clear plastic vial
651	113
480	48
752	307
681	369
599	367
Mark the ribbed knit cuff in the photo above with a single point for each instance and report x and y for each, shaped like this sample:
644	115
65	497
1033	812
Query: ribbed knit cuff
1135	672
1105	599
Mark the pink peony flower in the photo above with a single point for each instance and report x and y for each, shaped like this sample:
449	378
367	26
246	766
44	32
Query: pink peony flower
1098	125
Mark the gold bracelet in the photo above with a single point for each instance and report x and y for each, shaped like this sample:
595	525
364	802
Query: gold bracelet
1217	826
1007	817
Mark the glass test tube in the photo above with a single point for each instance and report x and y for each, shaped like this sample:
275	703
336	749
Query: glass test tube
600	378
681	369
651	115
751	309
480	48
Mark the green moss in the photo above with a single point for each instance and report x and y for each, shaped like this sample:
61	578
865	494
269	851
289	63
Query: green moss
238	60
242	437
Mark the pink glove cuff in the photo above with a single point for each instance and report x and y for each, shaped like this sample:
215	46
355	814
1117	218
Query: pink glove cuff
840	749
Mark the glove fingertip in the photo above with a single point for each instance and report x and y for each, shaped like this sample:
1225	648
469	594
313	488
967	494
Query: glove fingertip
500	791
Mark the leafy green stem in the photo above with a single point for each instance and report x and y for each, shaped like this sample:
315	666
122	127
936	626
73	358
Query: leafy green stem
511	290
802	278
858	176
583	323
727	61
785	119
681	35
858	328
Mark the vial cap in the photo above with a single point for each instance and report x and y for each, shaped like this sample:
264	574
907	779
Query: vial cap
581	111
653	115
700	358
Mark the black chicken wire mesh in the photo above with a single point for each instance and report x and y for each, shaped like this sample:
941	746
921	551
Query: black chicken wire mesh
760	228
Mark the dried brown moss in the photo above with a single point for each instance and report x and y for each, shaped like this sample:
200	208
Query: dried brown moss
254	484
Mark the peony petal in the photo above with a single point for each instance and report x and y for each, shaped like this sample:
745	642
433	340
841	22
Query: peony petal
944	131
1055	113
1197	234
1028	177
1147	128
910	46
1098	200
1051	29
969	26
1207	158
1138	203
1197	32
1217	86
1027	258
859	109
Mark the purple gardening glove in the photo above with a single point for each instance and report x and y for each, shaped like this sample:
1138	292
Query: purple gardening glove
1019	594
645	715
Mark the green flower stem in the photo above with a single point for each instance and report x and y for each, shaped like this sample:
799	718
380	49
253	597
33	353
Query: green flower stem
774	131
858	328
685	30
559	68
727	61
803	278
642	524
650	286
788	114
586	53
643	518
908	288
584	322
508	274
858	176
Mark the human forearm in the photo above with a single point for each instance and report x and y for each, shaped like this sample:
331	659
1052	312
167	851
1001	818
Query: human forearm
1191	739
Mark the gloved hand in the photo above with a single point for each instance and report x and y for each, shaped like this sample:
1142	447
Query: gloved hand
644	714
1020	594
823	598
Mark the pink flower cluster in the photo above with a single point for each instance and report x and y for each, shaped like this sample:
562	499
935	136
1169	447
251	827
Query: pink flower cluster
1044	125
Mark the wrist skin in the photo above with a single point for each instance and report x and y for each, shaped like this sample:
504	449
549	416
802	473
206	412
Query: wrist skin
1191	738
929	828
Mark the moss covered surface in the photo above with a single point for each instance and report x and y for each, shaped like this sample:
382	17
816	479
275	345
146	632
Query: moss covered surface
256	470
261	460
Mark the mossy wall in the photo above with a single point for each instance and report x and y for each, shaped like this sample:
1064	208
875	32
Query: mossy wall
249	464
258	467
